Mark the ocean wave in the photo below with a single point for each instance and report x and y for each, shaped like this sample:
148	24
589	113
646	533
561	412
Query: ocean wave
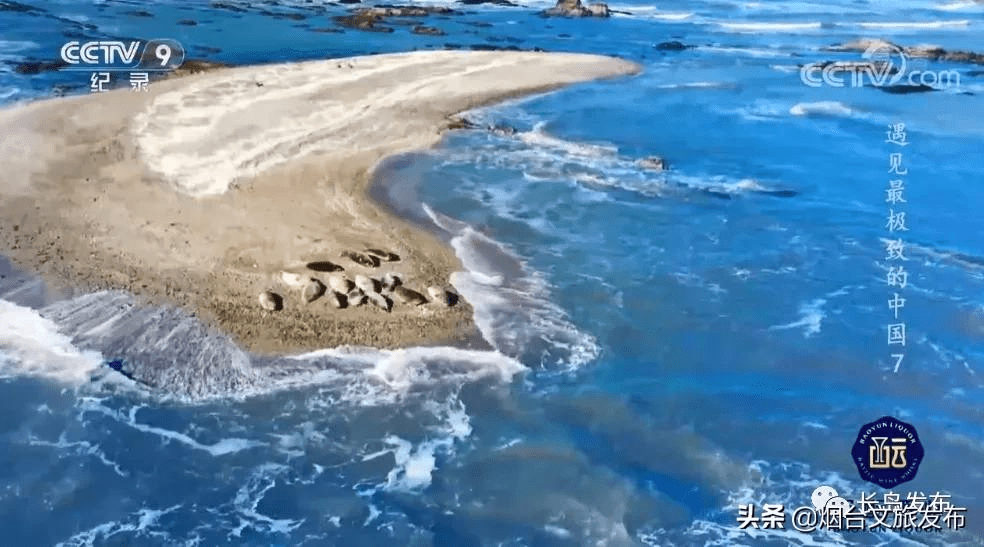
698	85
540	156
958	5
512	305
771	26
652	12
758	52
175	356
911	25
33	345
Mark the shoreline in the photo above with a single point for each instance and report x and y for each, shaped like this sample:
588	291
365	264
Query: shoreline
125	191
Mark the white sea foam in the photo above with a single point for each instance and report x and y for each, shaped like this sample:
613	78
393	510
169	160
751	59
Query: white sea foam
540	138
143	523
249	496
959	5
822	108
811	317
34	346
512	307
777	27
758	52
698	85
914	25
222	447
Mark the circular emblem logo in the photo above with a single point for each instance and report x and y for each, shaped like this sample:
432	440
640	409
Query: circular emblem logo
887	452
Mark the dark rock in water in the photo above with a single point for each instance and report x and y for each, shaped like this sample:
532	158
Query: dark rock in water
672	45
282	15
905	89
779	193
188	23
932	53
479	24
207	50
975	73
458	122
362	22
369	261
138	13
409	296
493	47
271	301
119	365
37	67
349	1
496	2
384	255
18	7
502	129
653	163
324	266
452	46
327	30
574	8
228	6
717	194
427	31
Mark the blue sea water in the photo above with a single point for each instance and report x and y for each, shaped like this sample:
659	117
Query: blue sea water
672	344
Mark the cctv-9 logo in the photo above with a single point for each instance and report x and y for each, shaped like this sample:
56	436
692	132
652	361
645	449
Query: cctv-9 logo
162	54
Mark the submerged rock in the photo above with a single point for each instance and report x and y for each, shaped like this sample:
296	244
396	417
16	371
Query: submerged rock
270	301
502	130
672	45
930	52
409	296
424	30
653	163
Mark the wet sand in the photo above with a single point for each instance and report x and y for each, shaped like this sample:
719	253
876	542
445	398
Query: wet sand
203	191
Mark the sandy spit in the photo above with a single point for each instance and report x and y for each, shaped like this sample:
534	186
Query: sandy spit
203	190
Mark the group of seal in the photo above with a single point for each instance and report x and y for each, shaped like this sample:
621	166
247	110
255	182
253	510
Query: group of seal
343	292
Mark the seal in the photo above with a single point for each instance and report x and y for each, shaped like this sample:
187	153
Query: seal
270	301
409	296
